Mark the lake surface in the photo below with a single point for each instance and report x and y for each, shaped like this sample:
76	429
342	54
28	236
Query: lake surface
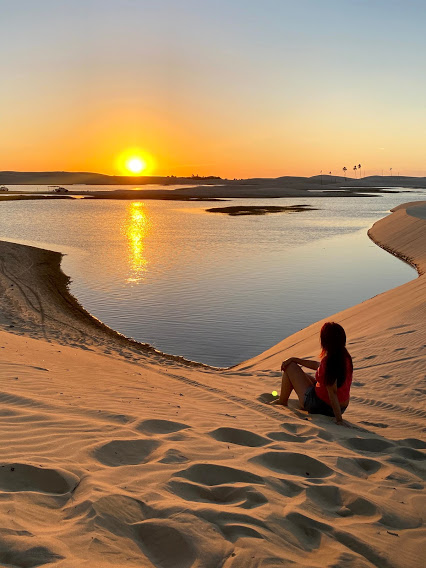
210	287
84	187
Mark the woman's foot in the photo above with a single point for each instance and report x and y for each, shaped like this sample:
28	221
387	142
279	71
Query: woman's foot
278	402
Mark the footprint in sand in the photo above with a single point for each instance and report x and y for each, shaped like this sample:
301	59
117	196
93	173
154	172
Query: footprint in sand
18	549
410	454
164	545
123	509
413	443
299	433
160	427
212	474
180	542
233	532
286	437
293	463
244	497
126	452
368	445
341	502
239	437
309	532
25	477
300	429
359	467
173	456
235	525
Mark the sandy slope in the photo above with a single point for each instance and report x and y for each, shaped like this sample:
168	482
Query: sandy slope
112	455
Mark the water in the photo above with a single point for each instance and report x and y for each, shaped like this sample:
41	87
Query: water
84	187
210	287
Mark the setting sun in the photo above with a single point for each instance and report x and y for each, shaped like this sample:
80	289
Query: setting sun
135	161
135	165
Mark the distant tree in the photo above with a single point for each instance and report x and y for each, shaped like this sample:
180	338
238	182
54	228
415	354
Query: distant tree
390	169
354	169
345	169
359	167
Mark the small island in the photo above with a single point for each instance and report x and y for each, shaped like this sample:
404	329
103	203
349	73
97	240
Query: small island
235	210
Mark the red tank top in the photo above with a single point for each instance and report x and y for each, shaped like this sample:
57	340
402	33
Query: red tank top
342	392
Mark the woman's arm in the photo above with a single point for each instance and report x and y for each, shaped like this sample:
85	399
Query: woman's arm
303	362
335	405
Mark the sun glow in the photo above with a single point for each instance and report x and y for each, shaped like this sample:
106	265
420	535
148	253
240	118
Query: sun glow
135	162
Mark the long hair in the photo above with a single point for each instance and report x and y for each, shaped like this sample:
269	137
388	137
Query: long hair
334	352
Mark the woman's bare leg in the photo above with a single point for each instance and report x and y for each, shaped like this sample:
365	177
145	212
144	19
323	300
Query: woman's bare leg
286	388
294	378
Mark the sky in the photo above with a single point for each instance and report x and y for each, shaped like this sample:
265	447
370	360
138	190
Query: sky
235	88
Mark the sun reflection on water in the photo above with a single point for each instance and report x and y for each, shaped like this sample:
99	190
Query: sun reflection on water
136	230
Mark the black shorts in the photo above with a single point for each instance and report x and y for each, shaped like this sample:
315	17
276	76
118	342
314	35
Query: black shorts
314	405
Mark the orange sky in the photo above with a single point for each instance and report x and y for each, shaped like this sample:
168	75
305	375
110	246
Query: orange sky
231	90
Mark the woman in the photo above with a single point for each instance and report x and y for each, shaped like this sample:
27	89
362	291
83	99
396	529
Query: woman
328	393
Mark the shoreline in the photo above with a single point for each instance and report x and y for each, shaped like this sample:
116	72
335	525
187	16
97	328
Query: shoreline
52	312
418	265
240	189
389	234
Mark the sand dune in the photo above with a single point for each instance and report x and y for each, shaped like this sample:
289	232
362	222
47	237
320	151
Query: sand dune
114	455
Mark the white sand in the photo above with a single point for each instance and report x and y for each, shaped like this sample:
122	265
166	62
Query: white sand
129	459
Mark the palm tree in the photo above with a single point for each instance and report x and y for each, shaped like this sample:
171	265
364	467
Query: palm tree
344	171
359	167
354	169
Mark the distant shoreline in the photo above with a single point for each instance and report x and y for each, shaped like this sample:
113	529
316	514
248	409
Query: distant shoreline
198	188
206	193
290	182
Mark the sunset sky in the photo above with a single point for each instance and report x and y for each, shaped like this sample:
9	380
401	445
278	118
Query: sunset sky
236	88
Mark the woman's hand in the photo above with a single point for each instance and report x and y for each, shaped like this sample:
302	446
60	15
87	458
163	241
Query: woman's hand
341	422
286	363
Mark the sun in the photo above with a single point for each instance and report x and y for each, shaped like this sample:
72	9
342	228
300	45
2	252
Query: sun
135	165
135	162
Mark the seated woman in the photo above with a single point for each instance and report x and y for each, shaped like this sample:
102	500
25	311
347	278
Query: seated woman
328	393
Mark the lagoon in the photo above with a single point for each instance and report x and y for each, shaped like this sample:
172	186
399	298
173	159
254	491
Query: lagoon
210	287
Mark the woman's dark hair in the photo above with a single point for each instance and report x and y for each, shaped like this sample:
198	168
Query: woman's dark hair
333	343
